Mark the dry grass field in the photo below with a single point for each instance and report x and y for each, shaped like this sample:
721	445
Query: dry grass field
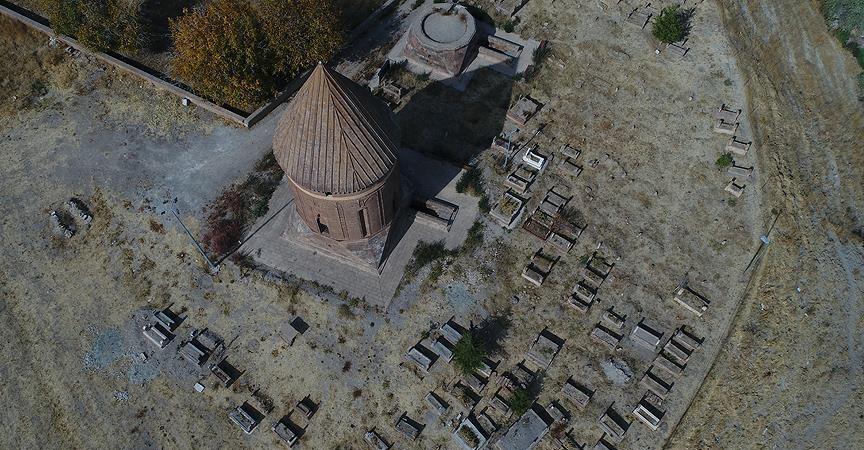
781	361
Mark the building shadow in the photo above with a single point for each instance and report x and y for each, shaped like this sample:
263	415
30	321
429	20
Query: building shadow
452	125
442	130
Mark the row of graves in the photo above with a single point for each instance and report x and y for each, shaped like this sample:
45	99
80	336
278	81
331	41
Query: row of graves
669	357
644	14
205	353
289	427
482	398
76	216
738	172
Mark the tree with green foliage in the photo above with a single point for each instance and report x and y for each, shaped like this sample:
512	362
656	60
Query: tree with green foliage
468	354
725	160
520	401
223	53
671	25
101	25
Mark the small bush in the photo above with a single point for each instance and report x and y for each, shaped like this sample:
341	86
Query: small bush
474	239
670	26
725	160
510	24
471	182
424	254
468	354
520	401
239	205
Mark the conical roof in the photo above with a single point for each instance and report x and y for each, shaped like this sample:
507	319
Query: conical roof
335	137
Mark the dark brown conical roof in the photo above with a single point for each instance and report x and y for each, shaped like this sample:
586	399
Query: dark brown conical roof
335	137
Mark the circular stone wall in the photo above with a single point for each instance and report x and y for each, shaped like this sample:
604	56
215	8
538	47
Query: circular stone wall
442	38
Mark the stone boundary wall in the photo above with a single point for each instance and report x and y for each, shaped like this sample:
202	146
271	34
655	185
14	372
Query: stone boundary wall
162	81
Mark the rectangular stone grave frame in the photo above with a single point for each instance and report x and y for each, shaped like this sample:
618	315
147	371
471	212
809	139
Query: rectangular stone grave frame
523	110
639	18
727	115
724	127
569	166
409	428
613	424
157	334
539	224
739	172
646	336
288	432
544	349
421	357
686	339
437	404
735	188
692	301
738	147
508	219
452	331
470	424
655	383
677	352
605	336
375	441
613	319
671	367
648	414
246	417
577	393
533	158
443	348
678	49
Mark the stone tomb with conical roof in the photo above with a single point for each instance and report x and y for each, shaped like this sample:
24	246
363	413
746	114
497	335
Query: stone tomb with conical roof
339	148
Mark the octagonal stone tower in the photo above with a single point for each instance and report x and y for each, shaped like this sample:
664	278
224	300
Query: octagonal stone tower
339	146
443	37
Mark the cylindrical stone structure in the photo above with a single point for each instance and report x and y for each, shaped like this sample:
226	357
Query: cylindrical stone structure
339	146
443	37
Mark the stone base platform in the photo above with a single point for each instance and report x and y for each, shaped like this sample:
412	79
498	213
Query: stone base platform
284	244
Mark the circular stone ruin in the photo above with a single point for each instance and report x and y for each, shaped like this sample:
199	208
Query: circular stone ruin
443	38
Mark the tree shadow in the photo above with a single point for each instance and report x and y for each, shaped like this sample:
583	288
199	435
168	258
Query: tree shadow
156	15
491	332
685	15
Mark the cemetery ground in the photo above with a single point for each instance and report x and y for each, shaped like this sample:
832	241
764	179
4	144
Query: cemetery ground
649	194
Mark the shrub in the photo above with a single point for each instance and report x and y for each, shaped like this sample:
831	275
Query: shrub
670	26
424	254
468	354
474	239
725	160
99	24
239	205
520	401
471	182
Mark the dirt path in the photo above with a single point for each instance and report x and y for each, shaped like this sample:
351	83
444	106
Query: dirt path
790	375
